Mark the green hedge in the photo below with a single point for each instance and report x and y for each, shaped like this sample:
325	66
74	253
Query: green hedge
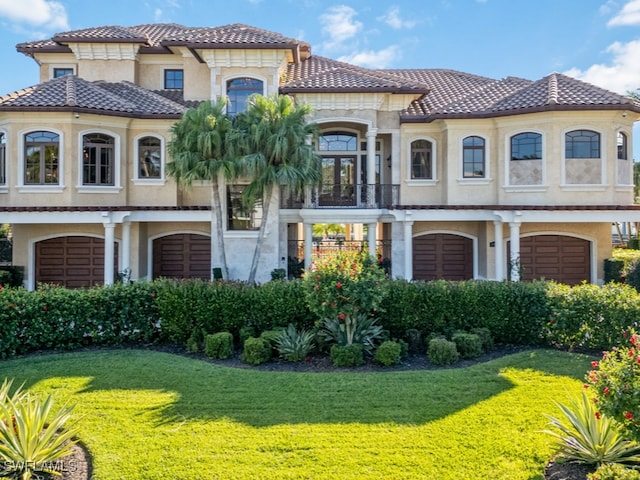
170	311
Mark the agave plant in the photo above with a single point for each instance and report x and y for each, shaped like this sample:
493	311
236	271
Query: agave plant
295	345
32	438
357	329
586	436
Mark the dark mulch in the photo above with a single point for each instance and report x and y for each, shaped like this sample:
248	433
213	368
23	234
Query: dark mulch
558	470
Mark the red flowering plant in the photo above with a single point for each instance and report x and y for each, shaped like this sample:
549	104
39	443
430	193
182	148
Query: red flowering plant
345	290
615	383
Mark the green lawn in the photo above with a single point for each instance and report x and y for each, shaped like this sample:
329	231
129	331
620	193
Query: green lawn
151	415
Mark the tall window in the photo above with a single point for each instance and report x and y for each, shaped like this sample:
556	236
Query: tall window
526	146
3	159
582	144
239	90
61	72
149	157
239	215
174	79
473	153
41	153
98	159
422	160
622	146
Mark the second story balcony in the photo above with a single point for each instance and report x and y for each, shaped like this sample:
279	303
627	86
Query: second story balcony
344	196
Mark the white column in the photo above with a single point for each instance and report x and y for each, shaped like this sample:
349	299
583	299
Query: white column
371	166
514	257
371	238
499	250
109	252
308	244
408	247
125	254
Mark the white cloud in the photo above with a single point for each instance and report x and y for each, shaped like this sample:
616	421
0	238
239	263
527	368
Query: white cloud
157	14
392	18
629	15
339	25
46	14
374	59
622	75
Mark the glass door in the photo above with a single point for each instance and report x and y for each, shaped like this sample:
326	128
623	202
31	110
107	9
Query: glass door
338	180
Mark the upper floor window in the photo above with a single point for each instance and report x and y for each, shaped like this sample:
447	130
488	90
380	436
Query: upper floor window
149	158
582	144
239	90
422	160
473	154
174	79
622	146
338	142
61	72
239	215
98	159
3	159
526	146
42	161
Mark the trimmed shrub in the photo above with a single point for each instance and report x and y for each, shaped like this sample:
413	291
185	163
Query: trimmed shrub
485	338
347	355
633	275
218	345
468	345
256	351
614	471
613	270
388	353
442	352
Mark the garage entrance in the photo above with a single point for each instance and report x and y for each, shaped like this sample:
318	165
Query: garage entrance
442	255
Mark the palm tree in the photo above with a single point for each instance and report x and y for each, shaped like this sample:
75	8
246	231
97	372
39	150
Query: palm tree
272	142
198	152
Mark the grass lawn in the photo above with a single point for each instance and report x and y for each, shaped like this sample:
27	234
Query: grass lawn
152	415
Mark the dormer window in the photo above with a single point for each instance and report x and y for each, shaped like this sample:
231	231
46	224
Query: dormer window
174	79
61	72
239	90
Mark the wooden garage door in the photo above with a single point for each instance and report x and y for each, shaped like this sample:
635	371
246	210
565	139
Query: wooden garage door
556	257
74	262
442	255
182	256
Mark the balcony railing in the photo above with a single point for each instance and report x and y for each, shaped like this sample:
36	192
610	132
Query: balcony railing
344	196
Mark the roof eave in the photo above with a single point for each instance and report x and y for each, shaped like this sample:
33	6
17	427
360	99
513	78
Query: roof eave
93	111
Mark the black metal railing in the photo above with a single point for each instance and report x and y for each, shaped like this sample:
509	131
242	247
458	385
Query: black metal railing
344	196
327	246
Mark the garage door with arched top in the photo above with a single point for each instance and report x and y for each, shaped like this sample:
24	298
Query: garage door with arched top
555	257
73	262
182	255
442	255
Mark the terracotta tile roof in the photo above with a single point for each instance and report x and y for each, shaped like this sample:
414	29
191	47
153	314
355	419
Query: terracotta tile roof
71	93
236	34
320	74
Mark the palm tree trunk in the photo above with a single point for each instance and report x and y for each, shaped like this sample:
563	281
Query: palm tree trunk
261	235
219	233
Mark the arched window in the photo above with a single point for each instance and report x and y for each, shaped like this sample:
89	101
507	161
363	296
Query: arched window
98	159
526	146
582	144
473	155
338	142
41	157
422	160
239	90
622	146
149	158
3	159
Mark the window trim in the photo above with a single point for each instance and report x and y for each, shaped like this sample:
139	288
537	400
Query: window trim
487	177
600	143
136	178
116	187
226	80
434	158
4	186
507	186
603	168
164	78
48	188
625	137
59	66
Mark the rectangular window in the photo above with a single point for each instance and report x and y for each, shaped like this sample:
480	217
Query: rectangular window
3	159
241	216
61	72
174	79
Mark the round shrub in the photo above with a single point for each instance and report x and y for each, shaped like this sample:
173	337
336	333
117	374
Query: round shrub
347	355
614	471
218	345
485	338
442	352
633	275
256	351
388	353
468	345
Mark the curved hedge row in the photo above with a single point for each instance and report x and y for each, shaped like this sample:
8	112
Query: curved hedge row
170	311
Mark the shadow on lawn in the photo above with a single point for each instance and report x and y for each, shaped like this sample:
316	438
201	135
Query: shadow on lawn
259	398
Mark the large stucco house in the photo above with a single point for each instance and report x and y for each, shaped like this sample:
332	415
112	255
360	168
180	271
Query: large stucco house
448	174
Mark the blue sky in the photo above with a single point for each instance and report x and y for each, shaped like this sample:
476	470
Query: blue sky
594	40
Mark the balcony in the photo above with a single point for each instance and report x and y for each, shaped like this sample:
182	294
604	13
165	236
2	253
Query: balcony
344	196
